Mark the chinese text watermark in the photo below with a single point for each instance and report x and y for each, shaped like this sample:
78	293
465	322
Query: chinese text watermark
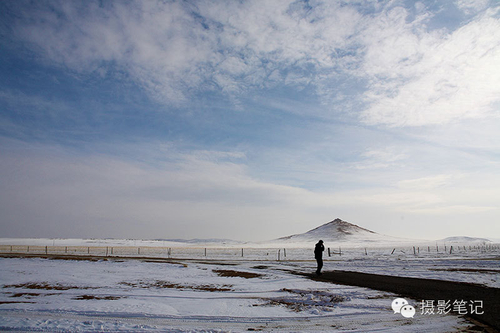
438	307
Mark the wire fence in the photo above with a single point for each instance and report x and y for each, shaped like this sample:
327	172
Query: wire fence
232	253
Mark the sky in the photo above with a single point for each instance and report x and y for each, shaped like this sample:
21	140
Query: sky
249	120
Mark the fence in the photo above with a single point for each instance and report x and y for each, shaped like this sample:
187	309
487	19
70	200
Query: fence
150	251
230	253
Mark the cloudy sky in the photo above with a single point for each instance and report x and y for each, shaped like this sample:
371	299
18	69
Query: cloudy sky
249	120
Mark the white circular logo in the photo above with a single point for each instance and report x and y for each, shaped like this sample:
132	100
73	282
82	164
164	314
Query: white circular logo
397	304
408	311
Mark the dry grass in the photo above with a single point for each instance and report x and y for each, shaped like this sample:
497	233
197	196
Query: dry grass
44	286
469	270
28	295
301	300
94	297
231	273
165	284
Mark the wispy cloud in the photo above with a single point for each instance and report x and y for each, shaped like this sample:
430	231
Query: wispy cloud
422	77
90	196
426	183
248	110
394	68
174	50
211	194
384	158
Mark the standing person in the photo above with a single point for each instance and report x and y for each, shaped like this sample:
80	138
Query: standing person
318	254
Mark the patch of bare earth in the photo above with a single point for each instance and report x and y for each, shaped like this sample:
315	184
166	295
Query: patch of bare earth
469	270
169	285
300	300
261	267
94	297
231	273
44	286
14	302
27	295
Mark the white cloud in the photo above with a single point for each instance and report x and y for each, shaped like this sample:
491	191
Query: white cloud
447	210
173	50
472	6
421	77
381	158
52	192
55	193
426	183
159	45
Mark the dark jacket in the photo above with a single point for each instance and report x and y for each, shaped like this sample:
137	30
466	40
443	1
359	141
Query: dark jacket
318	251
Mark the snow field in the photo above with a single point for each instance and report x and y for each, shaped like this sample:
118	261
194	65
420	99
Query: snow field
130	295
476	263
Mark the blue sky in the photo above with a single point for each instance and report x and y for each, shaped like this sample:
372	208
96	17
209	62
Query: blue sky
249	119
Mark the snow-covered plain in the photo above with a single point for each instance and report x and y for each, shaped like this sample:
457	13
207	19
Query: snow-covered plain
129	295
464	262
222	290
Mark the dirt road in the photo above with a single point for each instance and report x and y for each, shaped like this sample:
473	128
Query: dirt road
426	289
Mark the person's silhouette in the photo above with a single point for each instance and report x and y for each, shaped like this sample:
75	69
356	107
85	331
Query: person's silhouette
318	254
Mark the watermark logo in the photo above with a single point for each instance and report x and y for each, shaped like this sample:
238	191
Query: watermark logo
400	305
462	307
408	311
397	304
441	307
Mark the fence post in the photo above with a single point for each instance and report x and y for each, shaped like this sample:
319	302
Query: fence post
414	252
451	249
279	252
394	249
329	252
340	251
242	252
205	252
366	253
284	253
46	249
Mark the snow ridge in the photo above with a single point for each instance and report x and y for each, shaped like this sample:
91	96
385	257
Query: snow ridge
332	231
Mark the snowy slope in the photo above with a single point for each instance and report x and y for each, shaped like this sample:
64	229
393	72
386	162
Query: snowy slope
340	232
465	240
334	233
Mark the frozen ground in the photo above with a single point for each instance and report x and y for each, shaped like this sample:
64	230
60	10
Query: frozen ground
192	295
222	287
472	262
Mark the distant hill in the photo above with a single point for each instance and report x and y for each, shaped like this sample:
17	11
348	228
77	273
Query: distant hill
464	239
336	233
202	241
339	231
334	230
